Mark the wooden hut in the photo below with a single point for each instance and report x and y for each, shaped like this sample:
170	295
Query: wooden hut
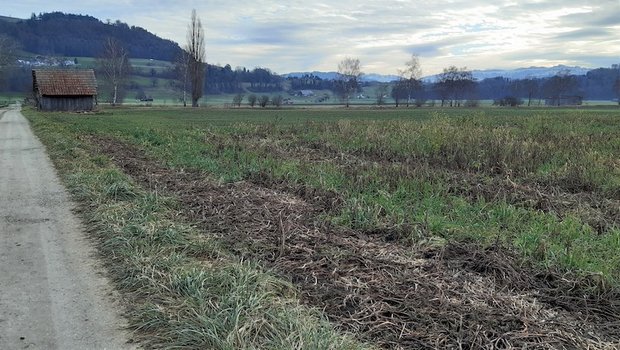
64	90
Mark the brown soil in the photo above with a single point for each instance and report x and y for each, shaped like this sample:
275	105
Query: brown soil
458	296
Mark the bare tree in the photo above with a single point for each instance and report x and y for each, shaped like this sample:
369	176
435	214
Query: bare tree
263	101
560	86
237	99
454	84
382	94
399	91
277	101
196	53
181	70
252	100
409	80
114	62
528	87
348	79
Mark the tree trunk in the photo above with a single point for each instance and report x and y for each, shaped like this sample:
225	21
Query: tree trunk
115	94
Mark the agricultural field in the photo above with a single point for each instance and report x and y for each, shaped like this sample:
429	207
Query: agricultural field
334	228
7	99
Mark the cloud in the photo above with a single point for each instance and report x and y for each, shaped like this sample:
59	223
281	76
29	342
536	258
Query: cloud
585	34
301	35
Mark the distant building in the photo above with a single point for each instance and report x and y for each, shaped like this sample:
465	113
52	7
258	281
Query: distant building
306	93
564	101
64	90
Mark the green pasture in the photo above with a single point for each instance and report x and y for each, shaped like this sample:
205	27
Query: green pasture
570	150
544	182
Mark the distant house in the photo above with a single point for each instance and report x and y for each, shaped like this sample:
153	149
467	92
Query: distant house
564	101
64	90
306	93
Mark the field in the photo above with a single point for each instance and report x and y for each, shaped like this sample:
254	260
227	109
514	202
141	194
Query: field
353	228
7	99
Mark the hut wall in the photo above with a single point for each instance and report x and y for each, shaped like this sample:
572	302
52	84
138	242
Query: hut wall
67	103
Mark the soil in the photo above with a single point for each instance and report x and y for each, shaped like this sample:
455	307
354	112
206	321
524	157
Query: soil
454	296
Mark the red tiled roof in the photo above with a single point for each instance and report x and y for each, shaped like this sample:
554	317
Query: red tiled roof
65	82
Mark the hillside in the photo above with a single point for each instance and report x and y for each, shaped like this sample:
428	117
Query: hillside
71	35
9	19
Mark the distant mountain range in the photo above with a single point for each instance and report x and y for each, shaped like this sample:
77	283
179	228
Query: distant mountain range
332	75
518	73
522	73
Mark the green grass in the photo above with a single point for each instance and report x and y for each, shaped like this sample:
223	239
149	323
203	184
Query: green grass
568	149
420	173
182	289
7	99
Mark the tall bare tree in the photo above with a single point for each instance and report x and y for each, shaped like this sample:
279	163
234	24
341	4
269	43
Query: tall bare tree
114	62
196	53
181	70
348	79
409	81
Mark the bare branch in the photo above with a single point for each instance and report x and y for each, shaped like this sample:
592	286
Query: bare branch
114	62
349	76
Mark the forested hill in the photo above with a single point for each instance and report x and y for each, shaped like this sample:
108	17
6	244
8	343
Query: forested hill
77	35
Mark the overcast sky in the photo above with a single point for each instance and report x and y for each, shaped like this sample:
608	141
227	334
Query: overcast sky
316	35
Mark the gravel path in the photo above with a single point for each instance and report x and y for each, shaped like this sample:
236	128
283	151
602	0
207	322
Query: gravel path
52	291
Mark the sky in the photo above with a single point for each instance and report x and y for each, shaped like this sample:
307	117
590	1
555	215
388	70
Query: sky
290	36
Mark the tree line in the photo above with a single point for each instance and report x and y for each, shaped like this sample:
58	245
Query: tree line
456	87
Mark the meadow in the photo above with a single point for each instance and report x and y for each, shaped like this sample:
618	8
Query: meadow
352	228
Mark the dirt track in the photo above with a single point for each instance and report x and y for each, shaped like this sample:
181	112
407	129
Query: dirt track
52	293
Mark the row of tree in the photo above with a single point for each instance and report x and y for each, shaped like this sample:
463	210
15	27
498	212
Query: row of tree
255	100
455	86
226	80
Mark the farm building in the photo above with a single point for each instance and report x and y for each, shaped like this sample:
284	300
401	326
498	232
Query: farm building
64	90
306	93
564	101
